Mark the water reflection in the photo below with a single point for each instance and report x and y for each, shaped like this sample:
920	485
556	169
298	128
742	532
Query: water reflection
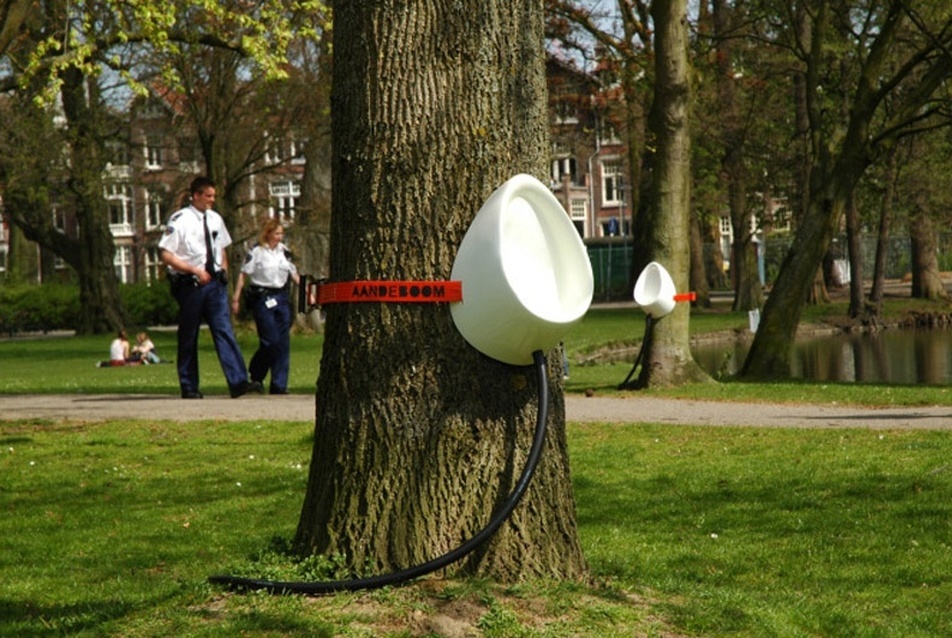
890	356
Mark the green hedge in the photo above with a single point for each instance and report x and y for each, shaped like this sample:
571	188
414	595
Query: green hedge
26	308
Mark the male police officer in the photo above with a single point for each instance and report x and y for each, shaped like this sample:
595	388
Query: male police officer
193	249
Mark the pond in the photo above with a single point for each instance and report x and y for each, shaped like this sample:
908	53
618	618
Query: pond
889	356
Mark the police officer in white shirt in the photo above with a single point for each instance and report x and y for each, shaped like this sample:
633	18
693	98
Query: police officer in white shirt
193	249
268	270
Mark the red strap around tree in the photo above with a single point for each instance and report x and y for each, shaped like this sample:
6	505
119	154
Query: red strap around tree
389	292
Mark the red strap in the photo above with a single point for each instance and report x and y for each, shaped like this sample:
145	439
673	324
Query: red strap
390	291
685	296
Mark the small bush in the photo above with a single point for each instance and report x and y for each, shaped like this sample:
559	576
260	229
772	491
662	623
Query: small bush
149	305
51	306
26	308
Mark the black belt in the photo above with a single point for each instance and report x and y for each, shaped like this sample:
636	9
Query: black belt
264	290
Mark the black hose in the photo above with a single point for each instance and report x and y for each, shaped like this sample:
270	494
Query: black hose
649	325
237	583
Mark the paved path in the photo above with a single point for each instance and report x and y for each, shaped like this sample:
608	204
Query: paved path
578	408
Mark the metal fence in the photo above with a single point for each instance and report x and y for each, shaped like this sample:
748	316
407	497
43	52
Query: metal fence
611	260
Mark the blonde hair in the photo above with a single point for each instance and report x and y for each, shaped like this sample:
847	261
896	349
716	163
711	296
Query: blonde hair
269	226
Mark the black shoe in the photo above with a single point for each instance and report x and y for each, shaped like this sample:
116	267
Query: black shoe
192	394
245	387
276	390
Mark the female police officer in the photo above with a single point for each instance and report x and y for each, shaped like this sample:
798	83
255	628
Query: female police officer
268	269
193	248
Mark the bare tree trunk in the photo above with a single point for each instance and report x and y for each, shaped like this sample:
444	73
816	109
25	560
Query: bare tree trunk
855	253
697	279
882	237
419	437
926	282
667	358
100	305
747	289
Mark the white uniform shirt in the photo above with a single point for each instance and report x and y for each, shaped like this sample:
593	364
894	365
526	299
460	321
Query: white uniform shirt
185	236
268	267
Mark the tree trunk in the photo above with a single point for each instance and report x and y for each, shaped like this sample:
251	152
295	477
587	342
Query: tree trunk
419	437
769	354
882	237
100	304
926	282
854	246
667	358
713	258
697	280
747	289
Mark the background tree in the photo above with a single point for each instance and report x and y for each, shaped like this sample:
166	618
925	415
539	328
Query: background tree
57	53
418	436
617	38
899	56
667	358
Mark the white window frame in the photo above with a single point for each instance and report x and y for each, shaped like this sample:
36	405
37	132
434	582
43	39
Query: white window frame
122	261
119	198
153	265
153	209
153	153
611	171
284	199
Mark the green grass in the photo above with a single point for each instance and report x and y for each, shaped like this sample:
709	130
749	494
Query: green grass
67	365
110	529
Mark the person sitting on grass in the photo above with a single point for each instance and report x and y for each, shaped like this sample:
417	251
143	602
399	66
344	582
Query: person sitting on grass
119	352
144	350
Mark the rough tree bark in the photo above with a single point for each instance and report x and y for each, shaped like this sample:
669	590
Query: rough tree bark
926	281
418	437
667	358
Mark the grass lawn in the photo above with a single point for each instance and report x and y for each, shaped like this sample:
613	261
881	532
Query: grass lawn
68	365
111	529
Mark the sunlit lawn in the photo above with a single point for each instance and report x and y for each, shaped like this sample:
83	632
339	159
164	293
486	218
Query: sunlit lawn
111	529
67	364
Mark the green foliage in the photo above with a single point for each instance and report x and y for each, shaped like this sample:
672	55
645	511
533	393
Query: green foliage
149	304
29	308
38	308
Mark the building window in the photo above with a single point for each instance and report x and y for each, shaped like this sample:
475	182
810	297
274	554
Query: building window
285	149
578	212
153	153
123	263
59	219
153	209
153	265
611	182
608	134
564	167
727	229
297	150
284	199
119	199
566	111
117	153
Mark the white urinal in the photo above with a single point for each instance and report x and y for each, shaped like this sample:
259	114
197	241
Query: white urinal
525	273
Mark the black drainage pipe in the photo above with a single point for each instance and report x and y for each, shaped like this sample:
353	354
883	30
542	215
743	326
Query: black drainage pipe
237	583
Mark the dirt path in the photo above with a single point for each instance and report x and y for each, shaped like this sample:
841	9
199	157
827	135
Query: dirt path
578	409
